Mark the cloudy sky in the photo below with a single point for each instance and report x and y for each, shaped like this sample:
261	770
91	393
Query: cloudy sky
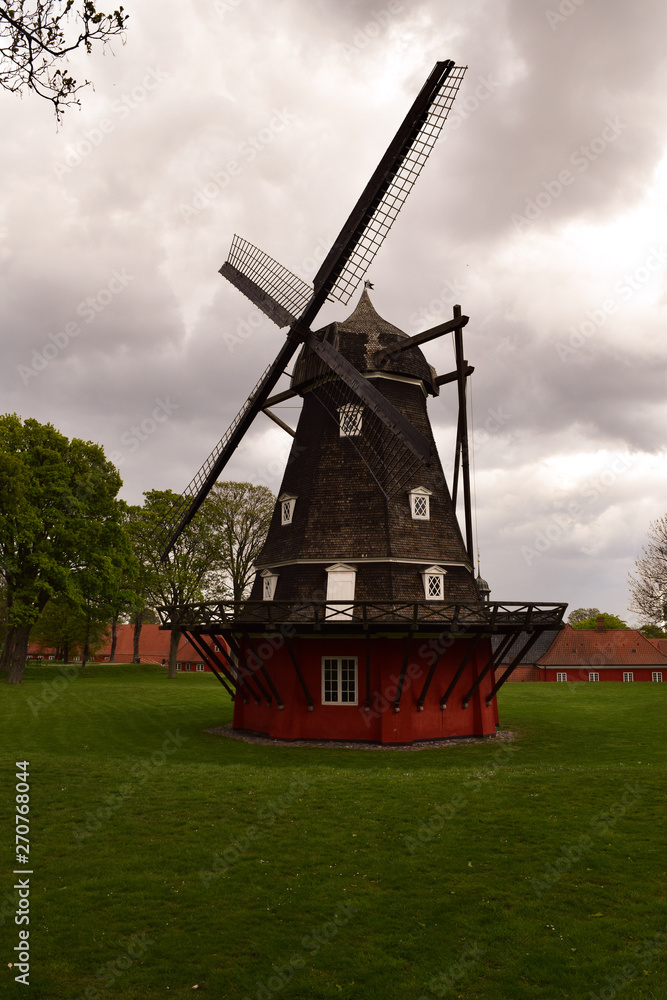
541	211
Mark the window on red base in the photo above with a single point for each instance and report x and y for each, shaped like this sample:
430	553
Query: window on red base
339	680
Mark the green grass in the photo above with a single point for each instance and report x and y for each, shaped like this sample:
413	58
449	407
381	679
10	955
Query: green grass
133	848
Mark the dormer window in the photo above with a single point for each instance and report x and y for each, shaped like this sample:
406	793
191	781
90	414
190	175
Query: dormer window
341	582
269	581
420	506
350	420
434	583
287	503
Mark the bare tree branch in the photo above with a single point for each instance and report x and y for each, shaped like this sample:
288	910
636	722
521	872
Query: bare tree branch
36	35
648	586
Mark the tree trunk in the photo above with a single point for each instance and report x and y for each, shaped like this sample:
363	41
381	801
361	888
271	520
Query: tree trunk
114	637
65	652
86	642
138	622
19	654
7	648
174	639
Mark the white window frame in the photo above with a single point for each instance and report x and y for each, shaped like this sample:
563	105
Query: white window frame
287	503
341	663
429	576
628	676
420	501
561	676
269	581
656	676
200	666
179	666
593	676
341	586
350	420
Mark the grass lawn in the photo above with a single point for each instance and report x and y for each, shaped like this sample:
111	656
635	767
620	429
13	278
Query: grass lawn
164	857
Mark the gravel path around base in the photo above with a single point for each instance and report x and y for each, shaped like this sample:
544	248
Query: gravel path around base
501	736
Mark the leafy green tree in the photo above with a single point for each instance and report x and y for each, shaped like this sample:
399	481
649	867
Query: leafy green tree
610	622
62	521
241	514
653	632
36	37
193	571
648	585
582	614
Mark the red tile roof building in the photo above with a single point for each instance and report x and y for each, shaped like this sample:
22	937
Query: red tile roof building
602	654
153	648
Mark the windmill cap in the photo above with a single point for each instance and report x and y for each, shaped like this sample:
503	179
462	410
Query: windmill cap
359	338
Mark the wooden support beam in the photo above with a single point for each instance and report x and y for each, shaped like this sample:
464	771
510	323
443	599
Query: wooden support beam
515	663
427	683
472	646
278	421
243	672
404	667
297	668
450	326
215	665
453	376
265	674
280	397
462	435
493	662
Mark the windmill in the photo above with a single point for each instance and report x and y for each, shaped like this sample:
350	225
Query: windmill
364	562
289	301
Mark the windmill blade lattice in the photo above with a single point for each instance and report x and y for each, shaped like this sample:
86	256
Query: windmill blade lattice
377	209
196	491
388	460
273	288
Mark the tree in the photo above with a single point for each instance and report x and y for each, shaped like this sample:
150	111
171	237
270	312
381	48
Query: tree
62	524
64	625
36	36
653	632
241	514
192	572
610	622
581	614
648	586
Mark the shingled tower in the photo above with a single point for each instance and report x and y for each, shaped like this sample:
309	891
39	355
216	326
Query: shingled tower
334	511
364	621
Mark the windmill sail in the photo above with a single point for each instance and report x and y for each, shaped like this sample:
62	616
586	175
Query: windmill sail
373	216
273	288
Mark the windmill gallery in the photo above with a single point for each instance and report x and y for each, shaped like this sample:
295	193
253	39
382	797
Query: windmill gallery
365	621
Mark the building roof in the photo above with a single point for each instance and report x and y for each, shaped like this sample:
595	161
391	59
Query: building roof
538	649
611	648
359	338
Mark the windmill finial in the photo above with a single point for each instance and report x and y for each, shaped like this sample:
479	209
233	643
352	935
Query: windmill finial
368	284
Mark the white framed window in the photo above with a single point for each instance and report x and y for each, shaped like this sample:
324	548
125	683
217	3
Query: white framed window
594	675
657	676
217	649
628	676
179	666
341	584
287	504
76	659
350	418
269	581
200	666
420	506
561	676
434	583
339	680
